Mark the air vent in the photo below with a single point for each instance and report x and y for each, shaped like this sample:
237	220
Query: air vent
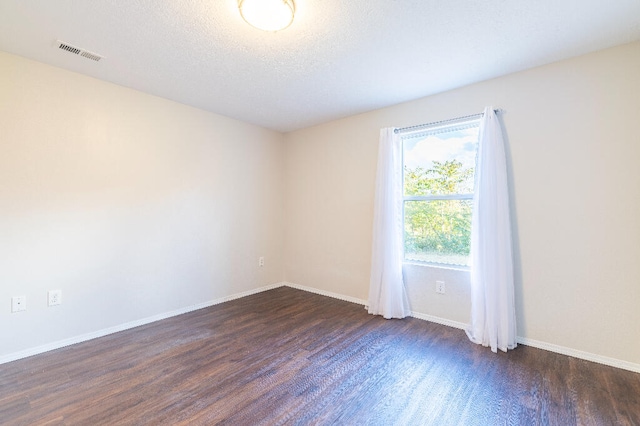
78	51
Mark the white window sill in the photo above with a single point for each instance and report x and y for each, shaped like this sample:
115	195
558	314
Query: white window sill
438	266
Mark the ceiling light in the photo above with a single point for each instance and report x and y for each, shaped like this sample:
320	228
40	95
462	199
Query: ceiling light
267	15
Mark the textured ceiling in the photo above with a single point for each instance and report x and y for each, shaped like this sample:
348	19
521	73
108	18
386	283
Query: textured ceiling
338	58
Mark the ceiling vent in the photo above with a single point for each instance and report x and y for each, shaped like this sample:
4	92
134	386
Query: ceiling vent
78	51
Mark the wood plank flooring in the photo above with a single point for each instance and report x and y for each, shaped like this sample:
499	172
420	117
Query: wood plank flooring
290	357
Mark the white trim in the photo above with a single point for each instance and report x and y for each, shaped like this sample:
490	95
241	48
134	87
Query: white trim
612	362
418	315
454	197
115	329
326	293
438	320
449	266
587	356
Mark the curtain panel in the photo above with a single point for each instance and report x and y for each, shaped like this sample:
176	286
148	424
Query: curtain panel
493	317
387	294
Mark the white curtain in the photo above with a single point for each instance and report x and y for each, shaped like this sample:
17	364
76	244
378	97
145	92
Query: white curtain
387	295
493	318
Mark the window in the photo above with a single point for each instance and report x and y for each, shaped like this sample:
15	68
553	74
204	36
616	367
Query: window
439	170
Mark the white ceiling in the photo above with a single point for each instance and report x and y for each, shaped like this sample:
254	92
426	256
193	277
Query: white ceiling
338	58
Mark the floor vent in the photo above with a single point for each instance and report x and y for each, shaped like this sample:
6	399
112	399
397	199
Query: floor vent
78	51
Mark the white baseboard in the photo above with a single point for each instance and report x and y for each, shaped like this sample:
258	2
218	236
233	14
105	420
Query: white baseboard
613	362
363	302
121	327
326	293
438	320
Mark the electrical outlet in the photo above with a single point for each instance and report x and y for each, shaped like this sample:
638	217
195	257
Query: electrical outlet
261	261
18	303
440	287
54	297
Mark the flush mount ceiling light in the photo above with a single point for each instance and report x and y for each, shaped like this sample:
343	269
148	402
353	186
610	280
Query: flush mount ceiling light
267	15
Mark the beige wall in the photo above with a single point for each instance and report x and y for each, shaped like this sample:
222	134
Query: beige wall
136	206
132	205
575	155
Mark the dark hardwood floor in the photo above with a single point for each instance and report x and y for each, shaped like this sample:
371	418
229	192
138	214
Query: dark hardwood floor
290	357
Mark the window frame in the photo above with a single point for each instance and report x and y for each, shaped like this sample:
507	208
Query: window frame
441	128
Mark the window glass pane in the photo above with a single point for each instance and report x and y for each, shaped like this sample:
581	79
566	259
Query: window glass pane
440	162
437	231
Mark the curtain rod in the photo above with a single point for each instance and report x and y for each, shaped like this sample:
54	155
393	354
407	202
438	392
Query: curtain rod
420	126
